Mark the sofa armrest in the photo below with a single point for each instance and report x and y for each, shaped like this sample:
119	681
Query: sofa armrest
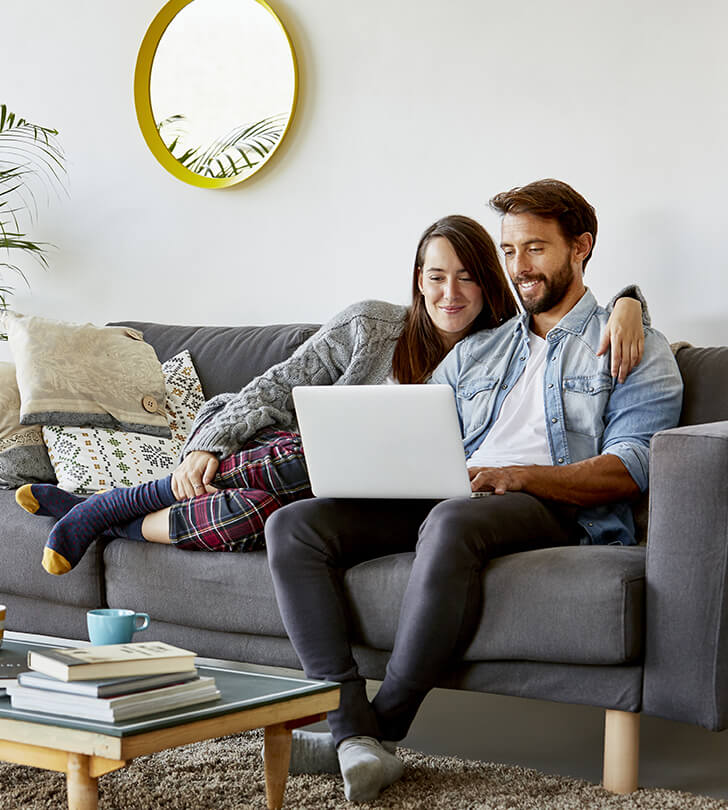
686	643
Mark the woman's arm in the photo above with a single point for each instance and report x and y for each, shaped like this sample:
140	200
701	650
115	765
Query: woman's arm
227	422
624	333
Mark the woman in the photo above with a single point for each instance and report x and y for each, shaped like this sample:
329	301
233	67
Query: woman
458	287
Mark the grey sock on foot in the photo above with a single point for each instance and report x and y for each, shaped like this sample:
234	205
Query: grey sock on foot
367	768
313	752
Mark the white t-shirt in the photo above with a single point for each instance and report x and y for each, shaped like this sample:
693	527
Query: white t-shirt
518	435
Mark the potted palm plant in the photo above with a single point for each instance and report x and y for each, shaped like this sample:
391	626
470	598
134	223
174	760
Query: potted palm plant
31	161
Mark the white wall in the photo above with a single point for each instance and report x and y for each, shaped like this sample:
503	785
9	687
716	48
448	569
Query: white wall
407	111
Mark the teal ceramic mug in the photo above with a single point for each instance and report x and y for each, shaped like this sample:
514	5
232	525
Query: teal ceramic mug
114	625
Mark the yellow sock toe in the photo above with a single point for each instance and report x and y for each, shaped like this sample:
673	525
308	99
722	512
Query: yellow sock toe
55	563
25	498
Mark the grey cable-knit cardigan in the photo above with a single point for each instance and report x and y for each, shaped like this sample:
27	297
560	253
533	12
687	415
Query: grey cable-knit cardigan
354	348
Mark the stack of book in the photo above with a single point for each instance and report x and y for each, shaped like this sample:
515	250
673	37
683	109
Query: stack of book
111	683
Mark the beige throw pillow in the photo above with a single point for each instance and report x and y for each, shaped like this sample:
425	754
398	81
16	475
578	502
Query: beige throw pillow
87	460
85	375
23	456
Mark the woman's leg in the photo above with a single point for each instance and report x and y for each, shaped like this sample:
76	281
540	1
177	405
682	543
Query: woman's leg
252	484
155	527
443	601
269	472
228	520
46	500
73	534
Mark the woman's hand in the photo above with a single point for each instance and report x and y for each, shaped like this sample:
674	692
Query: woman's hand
194	475
626	337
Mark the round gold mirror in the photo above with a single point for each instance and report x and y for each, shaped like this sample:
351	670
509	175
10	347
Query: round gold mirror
215	89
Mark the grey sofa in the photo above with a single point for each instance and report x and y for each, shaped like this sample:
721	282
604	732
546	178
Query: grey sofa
630	629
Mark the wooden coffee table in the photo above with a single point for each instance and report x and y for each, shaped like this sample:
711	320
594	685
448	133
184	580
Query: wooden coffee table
85	750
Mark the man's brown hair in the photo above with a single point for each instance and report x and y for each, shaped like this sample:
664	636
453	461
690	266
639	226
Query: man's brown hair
552	199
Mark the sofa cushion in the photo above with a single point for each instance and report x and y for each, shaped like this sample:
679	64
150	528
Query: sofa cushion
226	357
570	605
705	374
580	605
85	375
22	540
227	591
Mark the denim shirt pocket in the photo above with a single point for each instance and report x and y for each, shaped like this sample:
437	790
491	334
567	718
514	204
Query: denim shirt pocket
475	400
585	400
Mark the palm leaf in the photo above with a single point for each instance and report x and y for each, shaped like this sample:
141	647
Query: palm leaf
238	151
31	163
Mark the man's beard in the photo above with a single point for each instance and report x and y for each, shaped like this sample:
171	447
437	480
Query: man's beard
554	290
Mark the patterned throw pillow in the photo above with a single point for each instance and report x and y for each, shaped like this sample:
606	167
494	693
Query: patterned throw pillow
89	459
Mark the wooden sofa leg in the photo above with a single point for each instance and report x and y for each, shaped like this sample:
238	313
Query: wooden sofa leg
621	751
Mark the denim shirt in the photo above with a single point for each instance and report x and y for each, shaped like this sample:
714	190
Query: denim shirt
587	412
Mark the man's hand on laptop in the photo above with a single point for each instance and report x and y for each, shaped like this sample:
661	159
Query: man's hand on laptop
498	480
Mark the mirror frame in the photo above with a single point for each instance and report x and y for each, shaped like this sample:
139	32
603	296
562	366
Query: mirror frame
143	99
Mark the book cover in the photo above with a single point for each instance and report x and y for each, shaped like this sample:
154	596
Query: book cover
111	660
12	663
104	687
122	707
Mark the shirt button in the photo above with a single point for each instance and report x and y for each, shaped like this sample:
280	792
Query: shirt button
554	419
561	461
522	358
504	386
589	524
551	385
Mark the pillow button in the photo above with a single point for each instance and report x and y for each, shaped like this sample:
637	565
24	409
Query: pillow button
149	404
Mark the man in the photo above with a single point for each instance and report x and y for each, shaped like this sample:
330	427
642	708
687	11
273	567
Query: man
559	443
592	448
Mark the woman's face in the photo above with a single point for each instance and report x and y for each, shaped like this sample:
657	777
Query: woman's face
453	298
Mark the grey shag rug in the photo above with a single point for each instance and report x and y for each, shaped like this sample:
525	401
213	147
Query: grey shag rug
227	774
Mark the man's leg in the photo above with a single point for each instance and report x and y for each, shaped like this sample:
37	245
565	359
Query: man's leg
443	601
310	546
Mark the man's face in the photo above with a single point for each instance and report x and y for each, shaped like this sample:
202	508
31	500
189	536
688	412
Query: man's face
543	266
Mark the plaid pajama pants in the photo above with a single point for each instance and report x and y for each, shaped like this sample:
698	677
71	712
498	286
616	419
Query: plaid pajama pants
269	472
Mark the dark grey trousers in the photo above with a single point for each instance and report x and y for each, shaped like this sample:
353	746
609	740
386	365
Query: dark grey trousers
311	544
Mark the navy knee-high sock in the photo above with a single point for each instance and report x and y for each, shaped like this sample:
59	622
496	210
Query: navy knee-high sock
75	532
46	499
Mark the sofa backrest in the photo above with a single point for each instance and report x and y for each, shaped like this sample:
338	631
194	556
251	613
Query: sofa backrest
705	374
226	357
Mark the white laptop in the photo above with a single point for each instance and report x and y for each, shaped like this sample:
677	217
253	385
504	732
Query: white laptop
382	441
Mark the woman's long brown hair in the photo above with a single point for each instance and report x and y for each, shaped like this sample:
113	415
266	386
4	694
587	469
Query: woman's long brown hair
419	348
